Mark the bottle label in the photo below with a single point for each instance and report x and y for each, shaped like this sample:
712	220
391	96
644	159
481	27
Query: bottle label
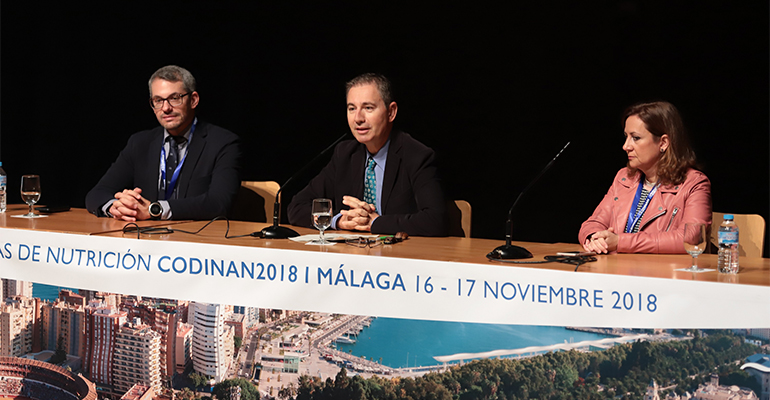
728	237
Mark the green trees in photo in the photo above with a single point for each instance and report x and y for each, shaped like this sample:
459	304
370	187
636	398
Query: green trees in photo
248	390
623	371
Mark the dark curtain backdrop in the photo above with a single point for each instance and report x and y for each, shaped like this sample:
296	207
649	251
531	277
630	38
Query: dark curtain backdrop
496	91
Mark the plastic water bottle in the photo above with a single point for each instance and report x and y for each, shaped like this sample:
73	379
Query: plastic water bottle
728	246
3	183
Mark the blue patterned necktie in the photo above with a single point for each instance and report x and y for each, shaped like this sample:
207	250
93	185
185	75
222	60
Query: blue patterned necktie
172	160
370	185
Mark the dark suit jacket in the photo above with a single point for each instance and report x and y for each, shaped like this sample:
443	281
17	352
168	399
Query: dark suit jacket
207	182
412	198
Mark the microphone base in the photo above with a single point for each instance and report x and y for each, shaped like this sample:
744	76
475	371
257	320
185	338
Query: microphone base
509	252
278	232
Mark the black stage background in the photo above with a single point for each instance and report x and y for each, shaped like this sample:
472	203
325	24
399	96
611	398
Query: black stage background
495	91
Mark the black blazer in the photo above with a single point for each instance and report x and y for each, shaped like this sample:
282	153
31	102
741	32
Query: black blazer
412	198
207	182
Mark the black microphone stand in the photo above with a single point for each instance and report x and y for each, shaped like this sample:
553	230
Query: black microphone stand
509	251
276	231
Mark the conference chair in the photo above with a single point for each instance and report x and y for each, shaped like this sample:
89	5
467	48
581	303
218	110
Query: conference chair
459	218
255	201
751	237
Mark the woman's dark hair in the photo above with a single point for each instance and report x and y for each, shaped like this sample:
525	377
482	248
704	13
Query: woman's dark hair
662	118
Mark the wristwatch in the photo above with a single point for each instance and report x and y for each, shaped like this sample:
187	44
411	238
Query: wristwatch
156	210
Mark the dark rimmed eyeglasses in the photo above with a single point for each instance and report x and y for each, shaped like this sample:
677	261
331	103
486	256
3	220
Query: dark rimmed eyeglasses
373	242
175	100
364	242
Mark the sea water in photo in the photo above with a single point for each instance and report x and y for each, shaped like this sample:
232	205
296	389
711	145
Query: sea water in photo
410	343
48	292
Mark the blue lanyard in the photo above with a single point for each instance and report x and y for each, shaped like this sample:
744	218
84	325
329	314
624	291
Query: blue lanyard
175	176
634	217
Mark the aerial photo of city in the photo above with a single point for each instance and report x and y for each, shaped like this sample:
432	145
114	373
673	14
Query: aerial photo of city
63	343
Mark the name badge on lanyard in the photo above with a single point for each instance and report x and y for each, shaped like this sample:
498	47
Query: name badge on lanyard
633	217
175	175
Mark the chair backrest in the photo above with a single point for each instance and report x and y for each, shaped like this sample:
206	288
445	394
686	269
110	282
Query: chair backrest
751	237
255	201
459	218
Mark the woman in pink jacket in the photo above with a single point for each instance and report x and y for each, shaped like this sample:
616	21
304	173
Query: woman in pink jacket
656	194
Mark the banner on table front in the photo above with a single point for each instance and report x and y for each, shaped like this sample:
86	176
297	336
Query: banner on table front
378	286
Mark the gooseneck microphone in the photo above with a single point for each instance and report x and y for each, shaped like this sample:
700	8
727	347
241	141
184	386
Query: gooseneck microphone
513	252
281	232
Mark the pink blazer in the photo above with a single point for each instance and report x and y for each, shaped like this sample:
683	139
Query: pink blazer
662	226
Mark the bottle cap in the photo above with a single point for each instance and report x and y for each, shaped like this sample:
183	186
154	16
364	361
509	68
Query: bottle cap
728	217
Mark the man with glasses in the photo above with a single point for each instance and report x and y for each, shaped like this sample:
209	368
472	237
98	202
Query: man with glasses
183	169
384	182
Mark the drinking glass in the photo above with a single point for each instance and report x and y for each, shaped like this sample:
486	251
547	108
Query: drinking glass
695	243
322	216
30	193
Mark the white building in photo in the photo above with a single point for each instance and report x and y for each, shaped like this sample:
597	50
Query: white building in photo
212	345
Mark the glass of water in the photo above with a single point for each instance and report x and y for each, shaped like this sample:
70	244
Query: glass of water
30	193
322	216
695	243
